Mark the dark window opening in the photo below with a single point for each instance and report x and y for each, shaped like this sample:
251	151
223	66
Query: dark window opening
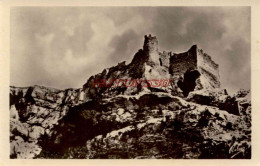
160	61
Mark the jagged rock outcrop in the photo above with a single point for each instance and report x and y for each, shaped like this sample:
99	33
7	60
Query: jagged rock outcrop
122	112
33	113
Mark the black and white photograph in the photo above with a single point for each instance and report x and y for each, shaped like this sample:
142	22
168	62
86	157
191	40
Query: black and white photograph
130	82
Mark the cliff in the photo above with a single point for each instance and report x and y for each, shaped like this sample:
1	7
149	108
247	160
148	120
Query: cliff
161	105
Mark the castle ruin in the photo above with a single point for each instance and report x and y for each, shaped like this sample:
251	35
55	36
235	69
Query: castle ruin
188	71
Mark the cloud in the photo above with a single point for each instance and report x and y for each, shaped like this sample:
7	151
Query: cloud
62	46
122	46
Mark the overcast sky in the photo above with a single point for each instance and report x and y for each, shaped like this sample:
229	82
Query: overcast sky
61	47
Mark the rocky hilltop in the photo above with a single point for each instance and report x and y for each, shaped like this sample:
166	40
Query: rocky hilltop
189	71
161	105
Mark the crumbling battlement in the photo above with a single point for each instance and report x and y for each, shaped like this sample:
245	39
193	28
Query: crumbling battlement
151	49
150	43
196	59
180	63
208	68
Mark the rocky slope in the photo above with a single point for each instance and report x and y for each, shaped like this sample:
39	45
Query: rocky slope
161	105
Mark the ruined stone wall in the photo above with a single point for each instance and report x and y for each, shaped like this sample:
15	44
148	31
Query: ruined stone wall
150	43
165	58
151	49
195	59
180	63
208	68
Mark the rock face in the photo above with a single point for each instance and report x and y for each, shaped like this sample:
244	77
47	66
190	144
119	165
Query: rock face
161	105
34	111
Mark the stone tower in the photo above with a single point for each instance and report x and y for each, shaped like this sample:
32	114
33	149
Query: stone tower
151	49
